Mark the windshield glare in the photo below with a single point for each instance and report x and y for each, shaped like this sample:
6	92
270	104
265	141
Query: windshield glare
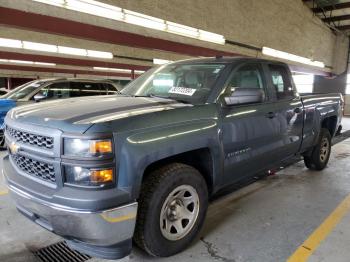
23	90
186	82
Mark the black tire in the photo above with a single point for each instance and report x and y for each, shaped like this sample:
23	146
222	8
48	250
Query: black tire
317	159
155	191
2	140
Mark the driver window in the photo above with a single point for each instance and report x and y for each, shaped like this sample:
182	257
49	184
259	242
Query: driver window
55	91
246	77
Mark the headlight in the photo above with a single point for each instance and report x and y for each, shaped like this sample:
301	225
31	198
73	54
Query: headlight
87	148
88	177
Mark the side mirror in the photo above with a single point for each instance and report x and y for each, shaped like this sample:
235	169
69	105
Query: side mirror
244	96
39	97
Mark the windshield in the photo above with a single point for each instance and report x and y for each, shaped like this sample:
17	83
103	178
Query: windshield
190	83
23	90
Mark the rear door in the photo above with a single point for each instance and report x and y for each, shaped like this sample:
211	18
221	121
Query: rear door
288	110
249	134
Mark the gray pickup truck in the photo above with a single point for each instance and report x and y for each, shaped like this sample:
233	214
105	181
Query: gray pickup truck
140	166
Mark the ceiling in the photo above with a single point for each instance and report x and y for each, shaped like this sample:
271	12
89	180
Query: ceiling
335	13
133	47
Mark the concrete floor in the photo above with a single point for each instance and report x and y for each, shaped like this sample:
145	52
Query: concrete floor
346	123
265	221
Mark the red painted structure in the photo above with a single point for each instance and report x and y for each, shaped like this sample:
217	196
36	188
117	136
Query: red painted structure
61	70
68	61
58	26
54	25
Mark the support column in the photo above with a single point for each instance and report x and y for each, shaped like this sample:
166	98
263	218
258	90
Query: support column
9	83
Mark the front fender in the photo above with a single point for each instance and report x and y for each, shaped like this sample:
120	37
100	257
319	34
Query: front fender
142	149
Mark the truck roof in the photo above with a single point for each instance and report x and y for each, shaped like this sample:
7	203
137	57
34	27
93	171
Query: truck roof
225	59
73	79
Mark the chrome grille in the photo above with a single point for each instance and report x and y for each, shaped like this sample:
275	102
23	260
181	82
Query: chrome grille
30	138
35	168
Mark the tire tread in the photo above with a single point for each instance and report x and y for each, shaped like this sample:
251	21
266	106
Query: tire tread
151	182
312	161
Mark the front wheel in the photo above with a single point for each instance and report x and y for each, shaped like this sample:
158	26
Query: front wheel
172	207
320	153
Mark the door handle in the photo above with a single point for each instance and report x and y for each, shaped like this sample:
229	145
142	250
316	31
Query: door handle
298	110
270	115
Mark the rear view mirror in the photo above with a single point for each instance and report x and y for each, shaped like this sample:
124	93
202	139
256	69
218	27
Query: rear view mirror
244	96
39	97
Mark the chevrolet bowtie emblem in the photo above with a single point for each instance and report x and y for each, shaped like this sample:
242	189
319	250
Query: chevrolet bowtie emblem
14	148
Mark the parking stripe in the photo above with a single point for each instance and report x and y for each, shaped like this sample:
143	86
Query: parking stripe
3	192
311	244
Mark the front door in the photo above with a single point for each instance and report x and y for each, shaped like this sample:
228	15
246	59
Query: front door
249	132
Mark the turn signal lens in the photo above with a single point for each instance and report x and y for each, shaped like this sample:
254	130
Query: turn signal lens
101	176
101	146
82	176
87	147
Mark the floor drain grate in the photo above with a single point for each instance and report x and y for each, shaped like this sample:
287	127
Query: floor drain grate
60	252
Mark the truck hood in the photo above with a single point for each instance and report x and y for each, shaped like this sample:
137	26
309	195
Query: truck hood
78	114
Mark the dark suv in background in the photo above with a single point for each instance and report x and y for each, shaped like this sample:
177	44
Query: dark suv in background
50	89
46	89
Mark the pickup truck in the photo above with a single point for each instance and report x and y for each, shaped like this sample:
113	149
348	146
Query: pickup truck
104	172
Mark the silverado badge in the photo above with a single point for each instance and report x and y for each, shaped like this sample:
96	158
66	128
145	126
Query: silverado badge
14	148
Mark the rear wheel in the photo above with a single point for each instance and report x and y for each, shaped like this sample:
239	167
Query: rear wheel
172	207
2	140
319	156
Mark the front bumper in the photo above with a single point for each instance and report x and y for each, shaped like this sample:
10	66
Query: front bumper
105	233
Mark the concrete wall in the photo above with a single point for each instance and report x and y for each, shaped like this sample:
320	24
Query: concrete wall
286	25
326	85
347	105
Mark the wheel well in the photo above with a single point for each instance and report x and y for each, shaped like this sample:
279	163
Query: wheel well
330	123
199	159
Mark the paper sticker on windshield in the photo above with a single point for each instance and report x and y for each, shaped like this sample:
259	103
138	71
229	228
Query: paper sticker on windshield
182	91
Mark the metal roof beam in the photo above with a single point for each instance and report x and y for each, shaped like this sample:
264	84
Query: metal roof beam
331	7
336	18
343	27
